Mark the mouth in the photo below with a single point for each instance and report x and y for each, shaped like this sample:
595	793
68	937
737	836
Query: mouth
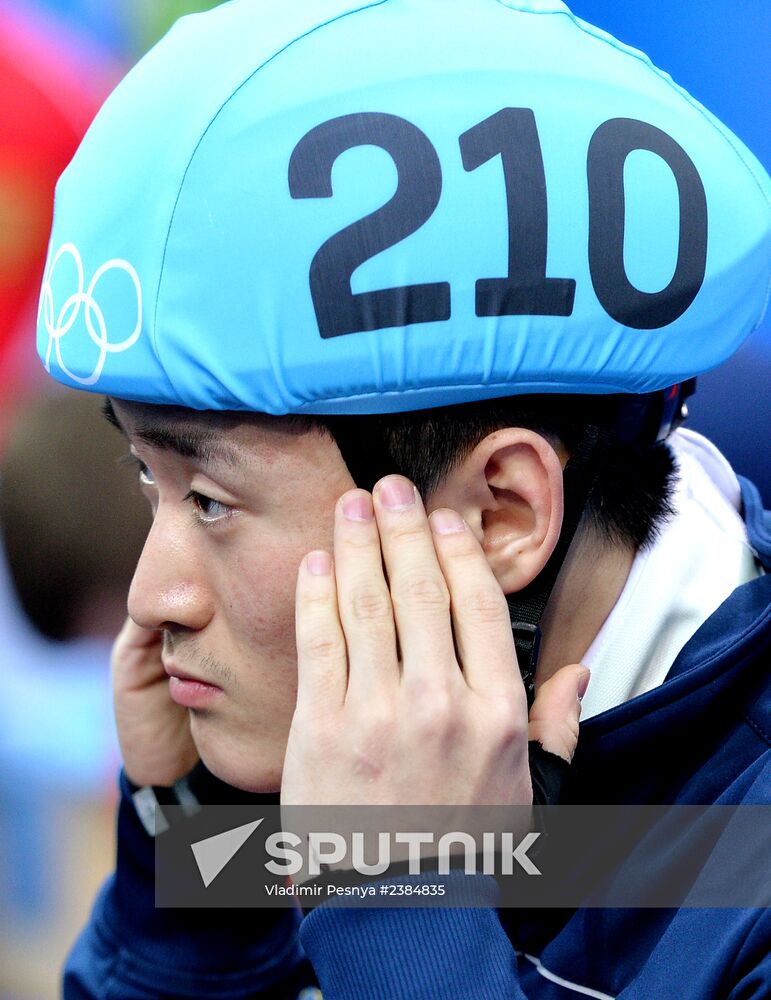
189	691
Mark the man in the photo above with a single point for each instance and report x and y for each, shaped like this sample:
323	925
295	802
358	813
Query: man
281	190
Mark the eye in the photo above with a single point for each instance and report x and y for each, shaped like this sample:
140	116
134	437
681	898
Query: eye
146	478
208	510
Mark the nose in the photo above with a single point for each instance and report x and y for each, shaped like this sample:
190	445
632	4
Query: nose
170	587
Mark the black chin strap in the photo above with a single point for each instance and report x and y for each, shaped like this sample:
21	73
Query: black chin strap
526	607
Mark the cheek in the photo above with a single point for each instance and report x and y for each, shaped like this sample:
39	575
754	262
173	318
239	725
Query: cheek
261	594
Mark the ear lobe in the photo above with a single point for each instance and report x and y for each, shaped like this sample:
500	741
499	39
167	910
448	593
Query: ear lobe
521	526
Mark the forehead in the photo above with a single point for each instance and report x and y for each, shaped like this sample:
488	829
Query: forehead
227	436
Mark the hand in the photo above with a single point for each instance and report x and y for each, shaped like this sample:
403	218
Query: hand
409	690
153	731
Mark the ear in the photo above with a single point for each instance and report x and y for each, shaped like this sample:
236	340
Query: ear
510	491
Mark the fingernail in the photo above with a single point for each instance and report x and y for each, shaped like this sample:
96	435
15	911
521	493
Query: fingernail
583	683
358	507
319	563
444	522
396	493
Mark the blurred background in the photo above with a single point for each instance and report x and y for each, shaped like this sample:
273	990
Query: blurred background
71	519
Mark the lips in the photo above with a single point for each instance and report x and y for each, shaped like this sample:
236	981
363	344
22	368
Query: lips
174	671
189	691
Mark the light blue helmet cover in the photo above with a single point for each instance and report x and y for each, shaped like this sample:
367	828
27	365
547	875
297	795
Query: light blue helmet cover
338	206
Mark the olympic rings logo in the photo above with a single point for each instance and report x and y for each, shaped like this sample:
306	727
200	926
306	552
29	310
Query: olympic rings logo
57	325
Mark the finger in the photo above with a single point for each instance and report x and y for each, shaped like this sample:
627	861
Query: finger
556	710
134	636
321	659
480	615
136	657
419	592
363	599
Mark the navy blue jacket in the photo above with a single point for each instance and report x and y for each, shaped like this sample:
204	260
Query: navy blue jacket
701	737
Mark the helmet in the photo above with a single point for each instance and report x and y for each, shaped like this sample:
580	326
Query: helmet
368	206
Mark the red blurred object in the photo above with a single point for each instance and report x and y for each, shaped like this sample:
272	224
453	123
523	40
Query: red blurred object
52	85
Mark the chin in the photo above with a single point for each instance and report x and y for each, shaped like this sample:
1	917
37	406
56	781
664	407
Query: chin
254	768
247	780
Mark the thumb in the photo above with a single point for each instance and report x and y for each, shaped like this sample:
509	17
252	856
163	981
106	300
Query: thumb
553	719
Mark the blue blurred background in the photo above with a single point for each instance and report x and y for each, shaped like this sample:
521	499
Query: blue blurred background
58	754
717	50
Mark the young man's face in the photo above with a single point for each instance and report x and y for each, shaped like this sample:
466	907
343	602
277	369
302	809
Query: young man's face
237	502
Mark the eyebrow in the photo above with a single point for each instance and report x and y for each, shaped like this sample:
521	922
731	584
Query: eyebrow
204	446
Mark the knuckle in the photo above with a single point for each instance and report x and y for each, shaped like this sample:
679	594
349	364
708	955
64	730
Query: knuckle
316	601
408	530
323	644
370	604
422	591
434	711
319	742
370	739
314	729
486	605
359	540
505	719
380	724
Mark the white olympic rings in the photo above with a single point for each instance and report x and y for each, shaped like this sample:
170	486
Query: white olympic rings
58	324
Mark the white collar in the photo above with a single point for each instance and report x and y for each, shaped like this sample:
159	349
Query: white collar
700	556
